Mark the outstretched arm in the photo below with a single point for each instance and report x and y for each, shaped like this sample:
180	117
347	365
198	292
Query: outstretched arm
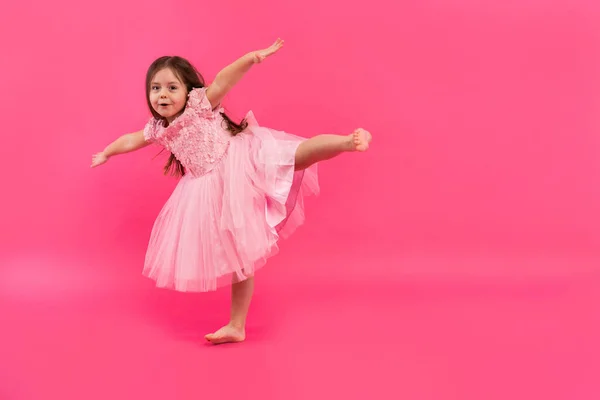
125	144
230	75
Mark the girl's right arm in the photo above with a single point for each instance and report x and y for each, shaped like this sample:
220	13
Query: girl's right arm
125	144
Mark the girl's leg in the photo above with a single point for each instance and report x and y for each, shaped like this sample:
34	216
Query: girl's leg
324	147
313	150
235	330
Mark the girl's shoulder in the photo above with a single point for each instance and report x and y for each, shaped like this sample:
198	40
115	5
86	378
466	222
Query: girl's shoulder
199	103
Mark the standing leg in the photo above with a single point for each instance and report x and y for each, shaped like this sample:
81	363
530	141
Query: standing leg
235	330
325	147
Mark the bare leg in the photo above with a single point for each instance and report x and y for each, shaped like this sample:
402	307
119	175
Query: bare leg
325	147
313	150
235	330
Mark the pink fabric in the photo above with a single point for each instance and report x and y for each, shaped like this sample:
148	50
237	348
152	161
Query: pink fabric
196	137
240	194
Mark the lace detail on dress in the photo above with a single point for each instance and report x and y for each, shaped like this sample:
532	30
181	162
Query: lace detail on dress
197	137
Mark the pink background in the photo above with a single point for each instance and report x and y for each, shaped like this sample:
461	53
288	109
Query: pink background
480	194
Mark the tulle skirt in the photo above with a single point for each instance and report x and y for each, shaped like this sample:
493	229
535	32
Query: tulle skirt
223	226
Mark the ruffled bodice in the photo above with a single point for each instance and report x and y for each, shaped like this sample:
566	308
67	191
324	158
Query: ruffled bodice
198	137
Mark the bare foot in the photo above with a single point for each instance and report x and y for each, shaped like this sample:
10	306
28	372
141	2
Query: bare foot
360	139
227	334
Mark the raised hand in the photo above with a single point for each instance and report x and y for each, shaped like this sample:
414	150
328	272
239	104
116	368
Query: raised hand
260	55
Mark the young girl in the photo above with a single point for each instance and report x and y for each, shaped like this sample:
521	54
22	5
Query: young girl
242	185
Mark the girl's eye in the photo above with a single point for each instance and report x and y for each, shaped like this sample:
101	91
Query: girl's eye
154	87
173	87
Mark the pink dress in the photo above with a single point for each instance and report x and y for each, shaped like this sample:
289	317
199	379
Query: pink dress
239	195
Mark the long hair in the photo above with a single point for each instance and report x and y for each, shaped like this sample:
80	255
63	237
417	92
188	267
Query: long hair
191	78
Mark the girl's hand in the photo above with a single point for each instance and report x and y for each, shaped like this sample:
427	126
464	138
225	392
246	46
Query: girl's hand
260	55
98	159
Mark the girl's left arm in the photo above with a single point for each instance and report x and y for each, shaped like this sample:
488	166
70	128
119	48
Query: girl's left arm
227	78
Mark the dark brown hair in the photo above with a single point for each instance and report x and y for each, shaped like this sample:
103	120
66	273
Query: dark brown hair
191	78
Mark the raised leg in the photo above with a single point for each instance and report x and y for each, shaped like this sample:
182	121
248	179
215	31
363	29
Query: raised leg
325	147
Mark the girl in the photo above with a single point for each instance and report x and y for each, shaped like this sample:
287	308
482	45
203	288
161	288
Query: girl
242	185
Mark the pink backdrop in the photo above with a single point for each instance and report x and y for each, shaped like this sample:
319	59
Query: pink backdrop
485	116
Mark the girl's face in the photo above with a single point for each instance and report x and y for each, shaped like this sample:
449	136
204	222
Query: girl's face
168	94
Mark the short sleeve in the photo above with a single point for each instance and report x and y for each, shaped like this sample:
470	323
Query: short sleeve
199	103
150	129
